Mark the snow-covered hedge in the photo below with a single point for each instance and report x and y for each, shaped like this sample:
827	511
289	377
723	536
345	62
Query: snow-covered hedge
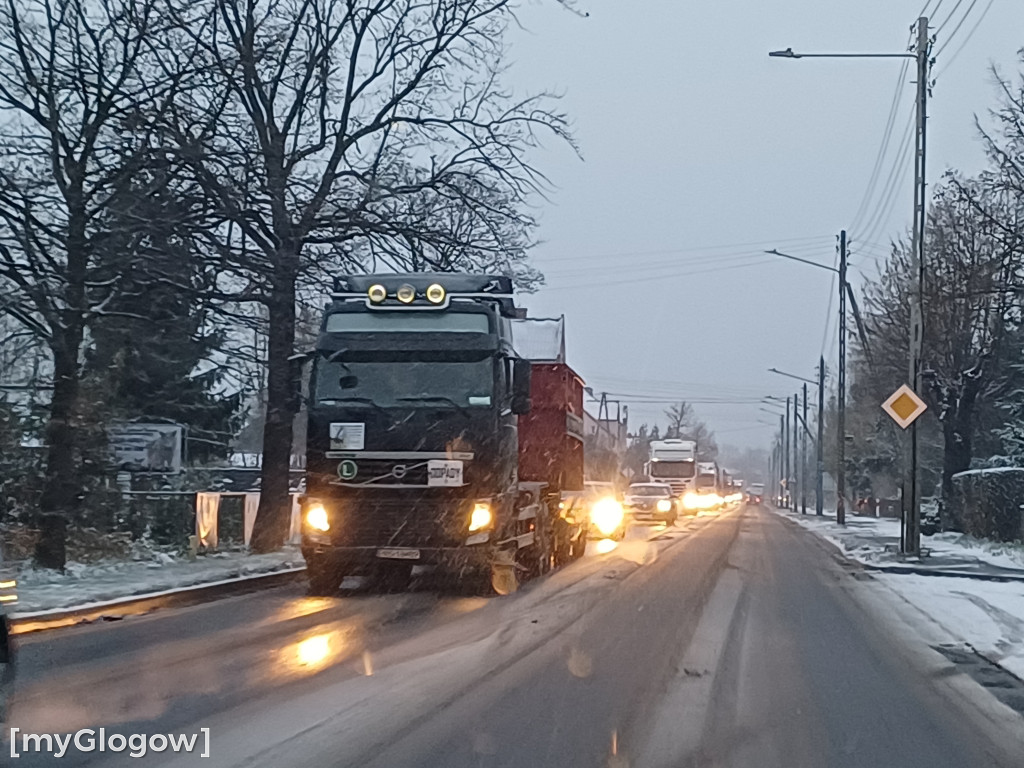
992	502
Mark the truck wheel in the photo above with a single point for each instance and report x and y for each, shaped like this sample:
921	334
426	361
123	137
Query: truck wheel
579	547
563	545
539	558
324	577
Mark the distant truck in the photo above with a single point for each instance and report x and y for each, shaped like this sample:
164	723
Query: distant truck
437	437
673	462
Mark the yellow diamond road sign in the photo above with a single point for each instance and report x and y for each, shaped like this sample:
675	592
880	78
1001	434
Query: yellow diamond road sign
904	406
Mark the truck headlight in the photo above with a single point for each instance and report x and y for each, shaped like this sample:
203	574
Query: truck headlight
316	517
607	515
481	516
435	293
664	505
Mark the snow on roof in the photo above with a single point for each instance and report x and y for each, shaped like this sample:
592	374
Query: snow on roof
988	471
541	340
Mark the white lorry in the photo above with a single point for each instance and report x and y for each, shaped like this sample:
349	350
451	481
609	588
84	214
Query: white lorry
673	462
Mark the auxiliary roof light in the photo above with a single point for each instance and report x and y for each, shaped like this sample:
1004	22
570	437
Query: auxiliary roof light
406	294
435	293
377	293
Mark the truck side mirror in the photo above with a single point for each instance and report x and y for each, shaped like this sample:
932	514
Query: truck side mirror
297	364
521	371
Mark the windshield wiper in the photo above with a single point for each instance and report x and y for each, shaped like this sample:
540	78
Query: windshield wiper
436	398
364	400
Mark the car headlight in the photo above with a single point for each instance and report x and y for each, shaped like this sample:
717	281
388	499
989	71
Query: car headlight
316	517
664	505
481	516
691	500
607	515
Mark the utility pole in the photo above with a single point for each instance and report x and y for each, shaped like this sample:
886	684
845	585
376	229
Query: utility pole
912	523
780	465
841	394
787	495
803	461
819	501
797	469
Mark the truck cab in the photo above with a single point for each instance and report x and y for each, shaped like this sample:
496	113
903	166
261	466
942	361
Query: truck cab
412	454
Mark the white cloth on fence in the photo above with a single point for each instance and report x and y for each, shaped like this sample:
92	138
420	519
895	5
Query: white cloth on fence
252	503
207	508
295	531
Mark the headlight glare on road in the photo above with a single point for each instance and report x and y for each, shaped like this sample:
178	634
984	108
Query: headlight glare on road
316	517
481	516
607	515
664	505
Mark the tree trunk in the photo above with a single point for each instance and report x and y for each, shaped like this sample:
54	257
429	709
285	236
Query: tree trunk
957	432
274	514
61	491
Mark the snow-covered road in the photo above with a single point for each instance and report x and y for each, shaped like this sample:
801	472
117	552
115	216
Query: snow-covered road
735	640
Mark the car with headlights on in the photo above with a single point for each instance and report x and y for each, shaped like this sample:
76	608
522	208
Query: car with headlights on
604	508
652	501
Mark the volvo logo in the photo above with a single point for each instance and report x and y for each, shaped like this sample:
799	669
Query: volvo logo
399	471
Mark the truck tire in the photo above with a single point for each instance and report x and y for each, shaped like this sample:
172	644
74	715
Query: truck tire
323	576
579	547
539	558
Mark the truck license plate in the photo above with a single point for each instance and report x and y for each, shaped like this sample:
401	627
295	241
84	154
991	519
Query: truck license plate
399	554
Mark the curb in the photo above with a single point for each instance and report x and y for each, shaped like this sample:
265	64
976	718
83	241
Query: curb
916	571
907	570
113	610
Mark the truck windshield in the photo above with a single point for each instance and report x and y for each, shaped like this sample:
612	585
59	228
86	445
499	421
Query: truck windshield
705	481
406	383
672	469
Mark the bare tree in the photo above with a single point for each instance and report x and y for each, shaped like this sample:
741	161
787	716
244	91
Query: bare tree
971	306
73	75
337	133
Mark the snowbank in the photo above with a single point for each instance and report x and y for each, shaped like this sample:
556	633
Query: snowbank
41	590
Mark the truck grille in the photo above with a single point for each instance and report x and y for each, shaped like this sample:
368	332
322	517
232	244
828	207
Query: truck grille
401	524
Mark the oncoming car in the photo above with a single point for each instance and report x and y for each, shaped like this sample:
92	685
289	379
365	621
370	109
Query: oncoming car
607	516
652	501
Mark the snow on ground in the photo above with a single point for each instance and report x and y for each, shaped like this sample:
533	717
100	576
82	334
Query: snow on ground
875	542
84	584
985	614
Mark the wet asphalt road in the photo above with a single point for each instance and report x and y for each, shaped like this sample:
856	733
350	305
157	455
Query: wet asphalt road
736	641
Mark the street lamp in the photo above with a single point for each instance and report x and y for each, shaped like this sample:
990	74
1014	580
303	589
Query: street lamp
912	531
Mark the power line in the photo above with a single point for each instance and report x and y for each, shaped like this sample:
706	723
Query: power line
967	39
883	149
686	273
691	249
949	16
884	208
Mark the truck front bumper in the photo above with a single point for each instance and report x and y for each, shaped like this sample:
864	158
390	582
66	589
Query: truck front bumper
354	558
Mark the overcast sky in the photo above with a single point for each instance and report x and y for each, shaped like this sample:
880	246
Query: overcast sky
700	152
